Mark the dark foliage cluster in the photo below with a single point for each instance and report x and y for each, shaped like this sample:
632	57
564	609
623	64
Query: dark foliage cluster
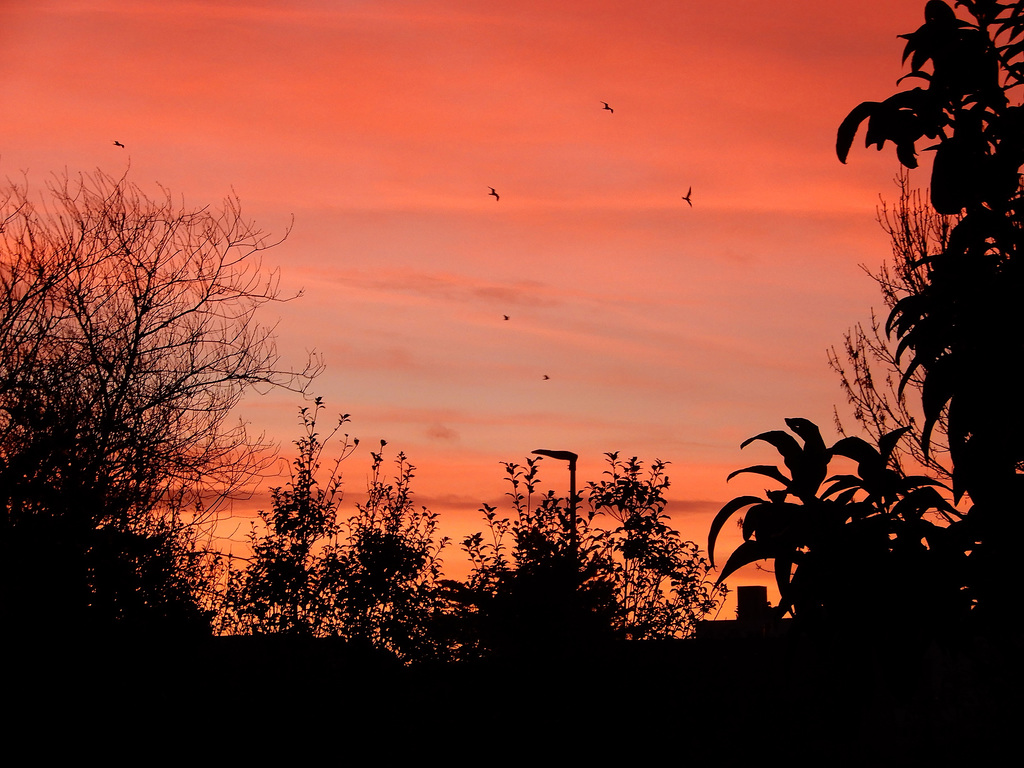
872	550
375	578
959	326
370	579
535	578
661	580
947	551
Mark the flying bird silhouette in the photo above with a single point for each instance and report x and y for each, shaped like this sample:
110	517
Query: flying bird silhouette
118	144
607	107
492	192
505	316
546	377
687	197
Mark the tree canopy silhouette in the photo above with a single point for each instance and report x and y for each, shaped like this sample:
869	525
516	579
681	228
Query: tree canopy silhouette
128	332
954	309
962	331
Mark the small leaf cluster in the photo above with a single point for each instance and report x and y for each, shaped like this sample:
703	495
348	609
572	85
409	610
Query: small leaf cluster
392	566
286	585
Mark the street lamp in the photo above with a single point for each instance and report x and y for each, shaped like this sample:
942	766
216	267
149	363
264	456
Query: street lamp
570	457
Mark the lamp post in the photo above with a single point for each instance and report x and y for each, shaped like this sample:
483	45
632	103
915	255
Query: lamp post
570	457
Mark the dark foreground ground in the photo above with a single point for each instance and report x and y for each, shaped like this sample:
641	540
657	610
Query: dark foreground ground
721	702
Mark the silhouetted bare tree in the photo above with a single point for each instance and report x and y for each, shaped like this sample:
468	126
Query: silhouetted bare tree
870	374
128	333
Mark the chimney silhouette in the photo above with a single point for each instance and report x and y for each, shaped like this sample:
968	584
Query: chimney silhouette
752	604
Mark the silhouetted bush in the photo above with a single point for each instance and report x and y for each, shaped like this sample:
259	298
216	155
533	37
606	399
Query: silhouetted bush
875	551
535	586
370	579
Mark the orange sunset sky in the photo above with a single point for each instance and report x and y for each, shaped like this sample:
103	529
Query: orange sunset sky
667	332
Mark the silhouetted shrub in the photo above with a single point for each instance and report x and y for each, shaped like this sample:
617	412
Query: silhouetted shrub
369	579
534	585
878	550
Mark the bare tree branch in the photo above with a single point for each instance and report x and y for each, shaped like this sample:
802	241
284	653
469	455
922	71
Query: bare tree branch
868	370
